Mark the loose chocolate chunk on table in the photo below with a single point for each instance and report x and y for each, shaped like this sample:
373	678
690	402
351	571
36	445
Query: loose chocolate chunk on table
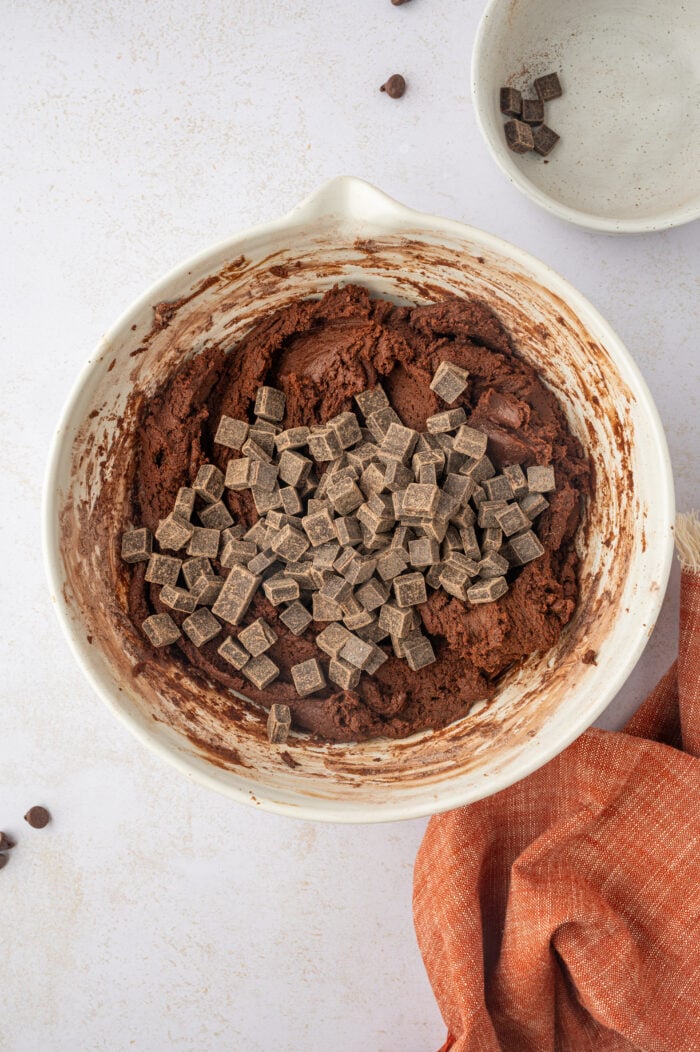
449	381
547	87
233	653
296	618
260	671
201	626
257	637
279	722
308	677
541	479
231	433
236	595
177	598
395	86
487	591
518	136
533	111
209	483
544	140
511	102
174	532
37	817
137	545
269	404
161	630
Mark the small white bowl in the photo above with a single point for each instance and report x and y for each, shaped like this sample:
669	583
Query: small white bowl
629	156
348	231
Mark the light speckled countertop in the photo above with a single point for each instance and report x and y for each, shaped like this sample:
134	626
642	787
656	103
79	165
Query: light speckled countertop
153	914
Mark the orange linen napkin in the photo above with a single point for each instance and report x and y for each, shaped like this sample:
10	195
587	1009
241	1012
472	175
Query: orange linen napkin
564	912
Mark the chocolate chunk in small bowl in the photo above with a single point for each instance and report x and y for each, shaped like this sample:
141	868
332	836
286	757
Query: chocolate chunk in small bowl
395	86
279	722
511	102
548	87
519	136
544	139
533	111
37	817
308	677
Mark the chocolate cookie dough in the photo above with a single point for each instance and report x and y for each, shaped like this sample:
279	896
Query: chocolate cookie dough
320	353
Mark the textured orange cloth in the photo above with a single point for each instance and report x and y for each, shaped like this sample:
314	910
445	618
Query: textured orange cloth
564	912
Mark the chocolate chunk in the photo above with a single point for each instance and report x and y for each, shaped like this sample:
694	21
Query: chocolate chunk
372	400
296	618
6	844
260	671
511	102
161	629
396	476
257	637
533	505
291	501
308	677
398	622
410	590
324	445
376	659
231	433
37	817
280	589
544	140
290	544
293	438
395	86
470	442
541	479
515	475
524	548
361	619
492	537
233	533
201	626
533	111
336	588
512	519
332	639
379	423
487	591
492	565
319	528
372	594
279	722
346	429
173	533
238	553
460	487
325	555
487	512
355	568
256	446
357	652
137	545
417	652
163	569
266	500
450	420
547	87
215	516
470	544
449	381
424	552
233	653
343	674
262	561
420	501
479	469
209	483
238	474
207	589
263	476
294	469
236	595
269	404
518	136
361	455
177	598
498	488
184	503
372	480
345	496
204	543
399	442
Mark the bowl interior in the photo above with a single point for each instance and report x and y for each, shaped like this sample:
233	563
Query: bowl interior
624	542
631	81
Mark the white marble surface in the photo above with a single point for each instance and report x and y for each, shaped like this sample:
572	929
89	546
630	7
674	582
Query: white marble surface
153	914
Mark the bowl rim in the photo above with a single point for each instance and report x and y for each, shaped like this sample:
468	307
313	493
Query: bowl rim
339	197
663	220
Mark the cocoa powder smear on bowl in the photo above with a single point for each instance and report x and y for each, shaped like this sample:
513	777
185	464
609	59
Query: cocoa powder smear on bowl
321	353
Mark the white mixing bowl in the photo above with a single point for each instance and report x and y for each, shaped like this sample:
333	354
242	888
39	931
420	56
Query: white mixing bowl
349	231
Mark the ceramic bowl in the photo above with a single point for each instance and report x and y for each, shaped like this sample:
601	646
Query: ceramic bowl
629	156
349	231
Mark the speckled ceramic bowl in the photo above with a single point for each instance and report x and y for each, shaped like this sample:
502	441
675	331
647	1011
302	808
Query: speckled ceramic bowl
629	156
349	231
